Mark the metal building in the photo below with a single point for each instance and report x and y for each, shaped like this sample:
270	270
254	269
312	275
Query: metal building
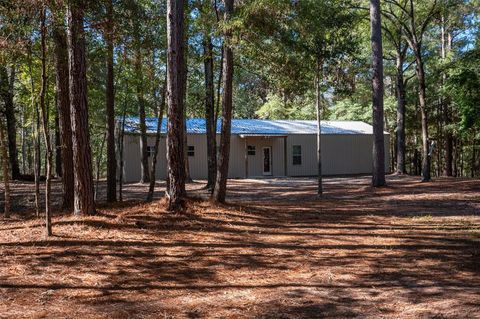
262	148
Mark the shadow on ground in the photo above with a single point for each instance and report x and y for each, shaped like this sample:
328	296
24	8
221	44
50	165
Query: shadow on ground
409	250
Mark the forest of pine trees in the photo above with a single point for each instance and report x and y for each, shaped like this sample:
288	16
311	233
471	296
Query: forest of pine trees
72	71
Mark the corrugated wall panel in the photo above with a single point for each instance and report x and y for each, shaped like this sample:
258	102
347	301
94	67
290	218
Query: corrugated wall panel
131	158
341	154
236	167
198	163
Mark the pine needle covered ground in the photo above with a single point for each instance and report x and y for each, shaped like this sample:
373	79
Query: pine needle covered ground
409	250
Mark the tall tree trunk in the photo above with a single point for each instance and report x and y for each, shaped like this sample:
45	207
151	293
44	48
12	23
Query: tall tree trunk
319	124
46	131
141	115
401	101
6	170
448	165
82	158
65	124
188	178
36	138
153	169
220	76
446	42
413	33
37	158
175	86
24	144
422	99
98	166
6	91
220	190
462	159
378	178
121	139
211	126
473	158
110	102
58	145
455	157
219	90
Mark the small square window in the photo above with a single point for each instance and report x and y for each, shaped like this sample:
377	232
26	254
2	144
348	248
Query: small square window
150	151
250	150
297	155
191	150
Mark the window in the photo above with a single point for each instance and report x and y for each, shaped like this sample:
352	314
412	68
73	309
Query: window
297	154
150	151
250	150
191	150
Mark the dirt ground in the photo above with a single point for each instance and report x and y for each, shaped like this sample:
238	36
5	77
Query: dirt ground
409	250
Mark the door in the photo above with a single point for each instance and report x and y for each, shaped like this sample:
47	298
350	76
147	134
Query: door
267	161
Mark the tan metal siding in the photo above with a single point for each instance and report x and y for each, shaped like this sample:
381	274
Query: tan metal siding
308	144
132	158
341	154
161	169
236	167
347	154
198	163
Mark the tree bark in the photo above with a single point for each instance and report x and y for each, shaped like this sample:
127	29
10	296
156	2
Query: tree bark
82	158
401	101
37	159
210	124
141	115
220	77
414	31
151	188
25	153
188	178
175	86
446	47
63	102
35	138
46	131
448	166
220	190
58	145
110	103
474	157
378	178
219	90
6	170
121	139
98	165
6	91
422	99
121	136
319	126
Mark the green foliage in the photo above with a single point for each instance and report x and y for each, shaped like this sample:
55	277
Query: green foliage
463	87
277	108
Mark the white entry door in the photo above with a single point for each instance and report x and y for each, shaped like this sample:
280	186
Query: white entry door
267	161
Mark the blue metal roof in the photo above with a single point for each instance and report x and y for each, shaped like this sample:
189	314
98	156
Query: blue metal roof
259	127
